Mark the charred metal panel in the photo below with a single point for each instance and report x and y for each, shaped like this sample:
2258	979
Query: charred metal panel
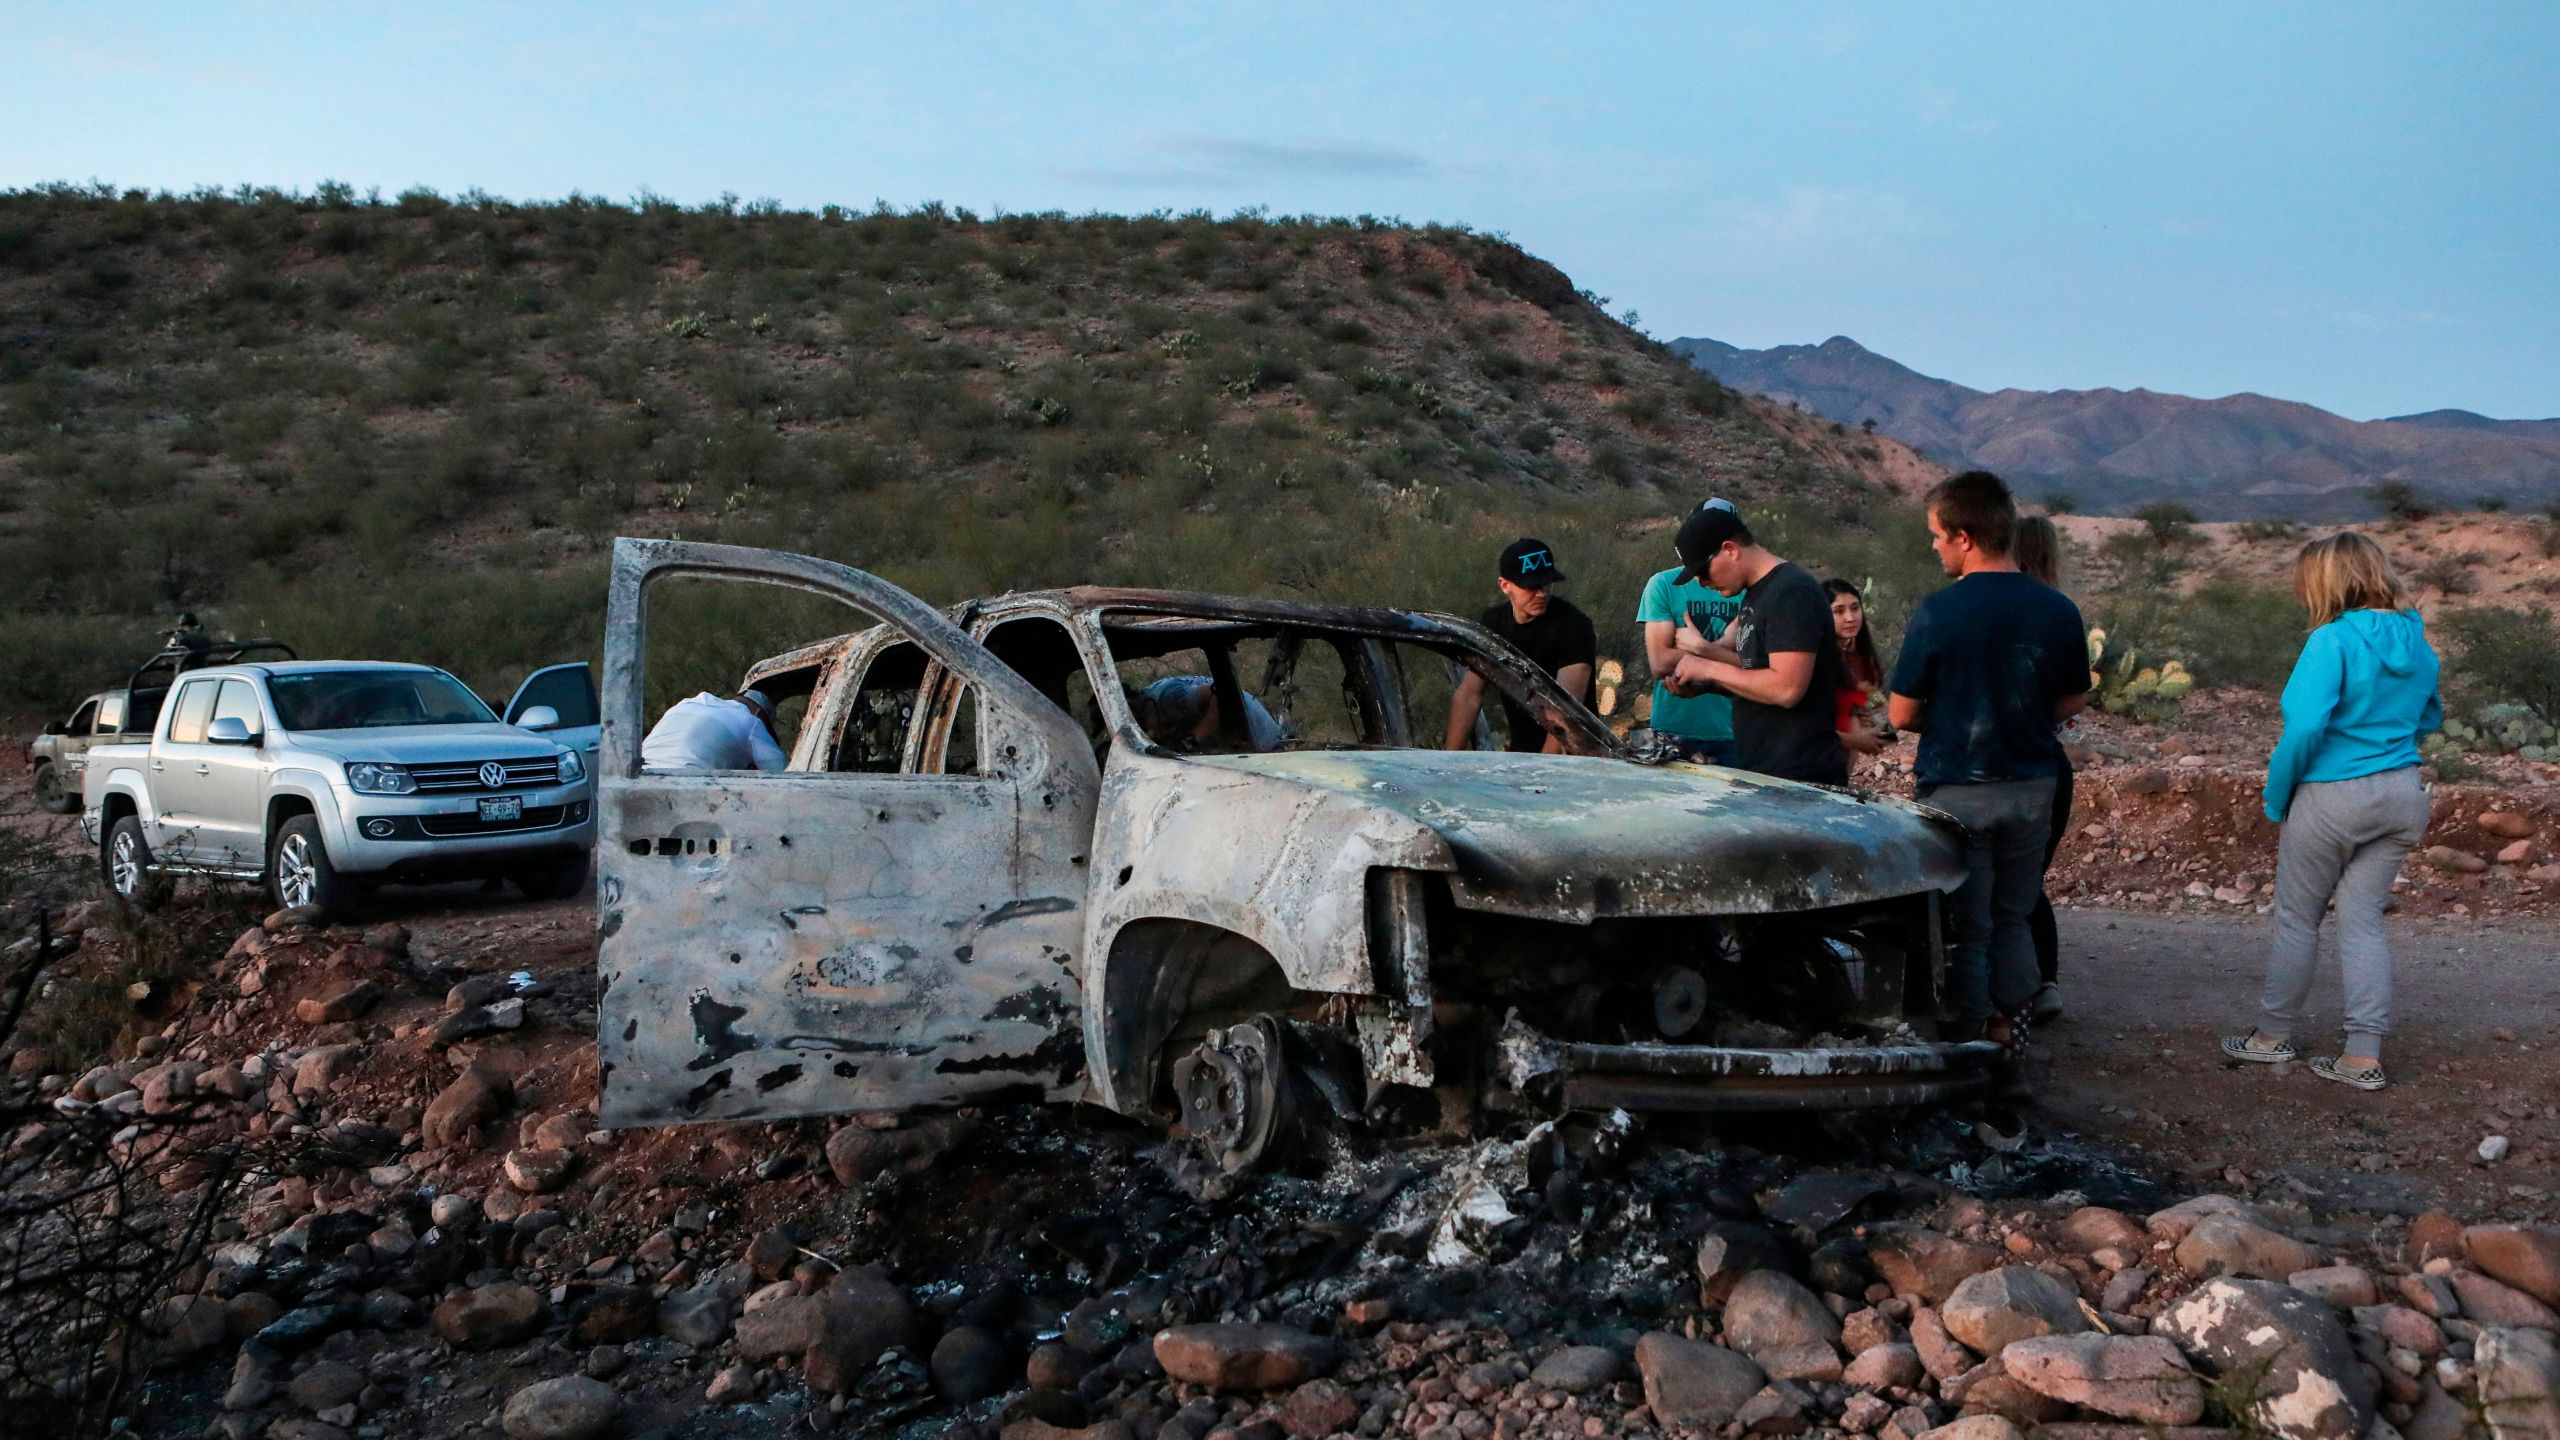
1393	1024
1279	863
1574	838
809	944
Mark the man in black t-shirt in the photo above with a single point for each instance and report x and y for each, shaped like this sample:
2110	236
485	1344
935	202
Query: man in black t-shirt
1778	659
1542	626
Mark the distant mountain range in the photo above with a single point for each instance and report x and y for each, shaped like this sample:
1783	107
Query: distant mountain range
2114	451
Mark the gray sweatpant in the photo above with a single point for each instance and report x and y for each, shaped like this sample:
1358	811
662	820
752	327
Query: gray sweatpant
2342	840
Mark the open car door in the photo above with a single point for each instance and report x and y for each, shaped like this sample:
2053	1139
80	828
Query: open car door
569	691
813	942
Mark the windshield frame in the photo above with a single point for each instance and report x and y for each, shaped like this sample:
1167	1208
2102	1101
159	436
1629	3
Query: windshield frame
292	707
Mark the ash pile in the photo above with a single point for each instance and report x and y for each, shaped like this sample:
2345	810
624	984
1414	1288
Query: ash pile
398	1262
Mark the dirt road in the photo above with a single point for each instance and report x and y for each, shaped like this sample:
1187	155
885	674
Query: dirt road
2477	1054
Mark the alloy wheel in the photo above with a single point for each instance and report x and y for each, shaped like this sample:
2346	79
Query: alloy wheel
296	877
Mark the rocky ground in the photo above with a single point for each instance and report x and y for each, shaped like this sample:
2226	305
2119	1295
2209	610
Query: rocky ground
2167	1240
462	1252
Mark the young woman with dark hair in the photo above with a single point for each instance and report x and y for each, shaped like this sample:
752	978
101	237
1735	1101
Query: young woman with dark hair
1863	730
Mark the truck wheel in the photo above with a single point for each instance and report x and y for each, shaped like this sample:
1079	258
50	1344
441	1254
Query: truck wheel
299	871
124	858
552	882
50	791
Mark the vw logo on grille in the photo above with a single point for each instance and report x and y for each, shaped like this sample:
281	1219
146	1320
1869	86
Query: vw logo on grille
493	775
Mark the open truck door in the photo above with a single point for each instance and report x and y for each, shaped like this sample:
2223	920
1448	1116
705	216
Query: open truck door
569	693
813	941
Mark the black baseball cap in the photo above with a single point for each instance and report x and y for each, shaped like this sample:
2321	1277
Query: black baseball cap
1704	533
1529	563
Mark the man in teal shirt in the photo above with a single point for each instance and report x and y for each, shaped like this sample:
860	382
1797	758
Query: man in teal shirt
1700	725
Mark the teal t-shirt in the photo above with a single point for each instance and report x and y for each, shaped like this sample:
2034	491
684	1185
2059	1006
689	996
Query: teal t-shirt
1701	717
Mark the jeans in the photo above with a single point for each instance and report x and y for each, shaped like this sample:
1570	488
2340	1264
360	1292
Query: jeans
2343	840
1992	969
2040	924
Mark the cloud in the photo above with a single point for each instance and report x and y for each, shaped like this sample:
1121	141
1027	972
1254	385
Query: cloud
1808	216
1236	160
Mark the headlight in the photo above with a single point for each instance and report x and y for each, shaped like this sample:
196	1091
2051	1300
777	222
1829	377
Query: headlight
374	779
572	769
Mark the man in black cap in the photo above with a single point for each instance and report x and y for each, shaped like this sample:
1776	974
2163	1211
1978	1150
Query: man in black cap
1778	659
188	637
1542	626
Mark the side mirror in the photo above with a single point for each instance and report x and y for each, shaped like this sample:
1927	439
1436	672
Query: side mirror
230	730
538	717
56	727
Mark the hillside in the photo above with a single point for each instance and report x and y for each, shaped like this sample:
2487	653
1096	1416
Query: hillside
2113	451
411	427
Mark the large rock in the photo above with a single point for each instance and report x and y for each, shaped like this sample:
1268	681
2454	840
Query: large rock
2288	1361
2173	1223
1989	1389
1917	1261
1885	1367
2234	1245
490	1316
1578	1369
615	1314
539	1172
475	1097
1242	1357
2131	1377
1692	1384
858	1153
2525	1256
1943	1354
1730	1250
351	1000
1770	1310
2490	1303
2095	1227
971	1363
1319	1408
321	1068
788	1326
1996	1308
863	1314
326	1385
1975	1427
572	1407
2519	1384
2348	1287
698	1316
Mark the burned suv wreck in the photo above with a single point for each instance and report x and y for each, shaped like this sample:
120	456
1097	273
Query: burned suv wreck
981	877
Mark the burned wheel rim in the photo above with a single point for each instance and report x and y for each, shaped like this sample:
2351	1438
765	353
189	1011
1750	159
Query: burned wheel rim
124	864
1236	1096
297	875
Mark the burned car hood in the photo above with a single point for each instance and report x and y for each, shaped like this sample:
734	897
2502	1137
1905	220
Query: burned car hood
1580	837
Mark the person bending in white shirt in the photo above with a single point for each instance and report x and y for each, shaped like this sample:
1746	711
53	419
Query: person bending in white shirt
710	732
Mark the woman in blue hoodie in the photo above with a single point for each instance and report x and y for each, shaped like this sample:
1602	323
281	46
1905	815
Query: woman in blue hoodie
2343	783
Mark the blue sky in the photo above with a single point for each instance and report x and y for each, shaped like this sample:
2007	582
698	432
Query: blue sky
2353	205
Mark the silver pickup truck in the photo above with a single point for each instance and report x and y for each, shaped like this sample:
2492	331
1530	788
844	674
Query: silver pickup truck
321	779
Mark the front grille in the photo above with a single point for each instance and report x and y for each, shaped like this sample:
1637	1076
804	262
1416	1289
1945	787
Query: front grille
462	775
446	827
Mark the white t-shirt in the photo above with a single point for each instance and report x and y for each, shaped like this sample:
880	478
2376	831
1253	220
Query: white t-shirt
709	732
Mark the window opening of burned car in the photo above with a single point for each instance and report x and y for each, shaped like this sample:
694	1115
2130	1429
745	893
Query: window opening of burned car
1326	688
1042	651
873	737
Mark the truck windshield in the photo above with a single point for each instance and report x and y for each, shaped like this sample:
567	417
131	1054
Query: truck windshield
369	699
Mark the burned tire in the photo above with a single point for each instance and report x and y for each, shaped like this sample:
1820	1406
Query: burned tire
51	793
124	862
552	882
300	872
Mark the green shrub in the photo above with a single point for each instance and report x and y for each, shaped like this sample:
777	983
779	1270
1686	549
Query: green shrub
2400	500
2504	655
2167	522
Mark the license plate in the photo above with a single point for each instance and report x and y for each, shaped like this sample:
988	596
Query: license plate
502	807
